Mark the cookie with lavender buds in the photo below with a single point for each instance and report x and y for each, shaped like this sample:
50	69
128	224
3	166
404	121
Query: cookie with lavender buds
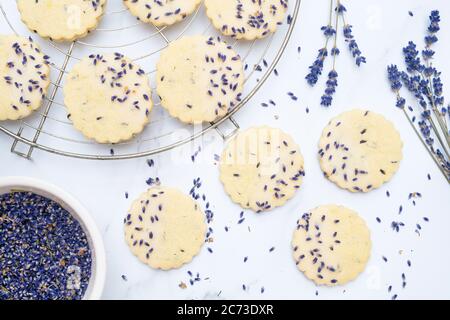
199	79
246	19
261	168
108	98
360	150
162	12
165	228
25	77
331	245
62	20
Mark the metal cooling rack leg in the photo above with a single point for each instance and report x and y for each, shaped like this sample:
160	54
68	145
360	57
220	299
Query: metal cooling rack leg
49	105
163	35
226	136
14	145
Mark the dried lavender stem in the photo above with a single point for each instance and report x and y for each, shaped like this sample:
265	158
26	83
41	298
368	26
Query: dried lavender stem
439	115
343	18
331	12
440	118
336	34
438	135
329	24
436	112
330	20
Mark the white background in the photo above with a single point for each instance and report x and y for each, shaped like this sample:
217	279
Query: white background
382	27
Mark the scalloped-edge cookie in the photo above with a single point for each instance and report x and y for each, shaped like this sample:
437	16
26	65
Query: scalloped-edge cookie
246	19
165	228
261	168
25	77
162	12
108	98
199	79
360	150
331	245
61	20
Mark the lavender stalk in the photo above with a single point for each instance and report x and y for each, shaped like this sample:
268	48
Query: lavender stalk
316	68
331	31
423	81
332	82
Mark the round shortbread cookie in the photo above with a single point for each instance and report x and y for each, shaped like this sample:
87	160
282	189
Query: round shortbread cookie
360	150
246	19
331	245
199	79
162	12
25	77
108	98
61	20
261	168
165	228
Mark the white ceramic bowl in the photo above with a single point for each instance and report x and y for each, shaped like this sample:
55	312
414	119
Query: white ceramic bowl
76	209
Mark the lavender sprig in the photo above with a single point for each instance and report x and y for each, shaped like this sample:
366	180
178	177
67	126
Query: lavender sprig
412	59
353	46
423	81
350	38
435	92
329	31
316	69
394	76
332	82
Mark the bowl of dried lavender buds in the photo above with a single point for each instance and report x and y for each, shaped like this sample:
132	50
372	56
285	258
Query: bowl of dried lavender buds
50	247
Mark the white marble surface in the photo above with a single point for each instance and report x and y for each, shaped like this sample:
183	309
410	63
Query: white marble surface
382	27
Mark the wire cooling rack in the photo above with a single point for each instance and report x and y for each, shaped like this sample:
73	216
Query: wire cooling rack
50	130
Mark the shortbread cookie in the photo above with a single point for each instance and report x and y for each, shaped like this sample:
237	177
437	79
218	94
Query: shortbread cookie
25	77
162	12
199	79
246	19
61	20
261	168
164	228
108	98
331	245
360	150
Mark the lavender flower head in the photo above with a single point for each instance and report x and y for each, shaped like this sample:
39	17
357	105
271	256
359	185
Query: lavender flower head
353	46
350	39
335	51
412	59
434	21
341	9
332	83
328	31
394	76
317	67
